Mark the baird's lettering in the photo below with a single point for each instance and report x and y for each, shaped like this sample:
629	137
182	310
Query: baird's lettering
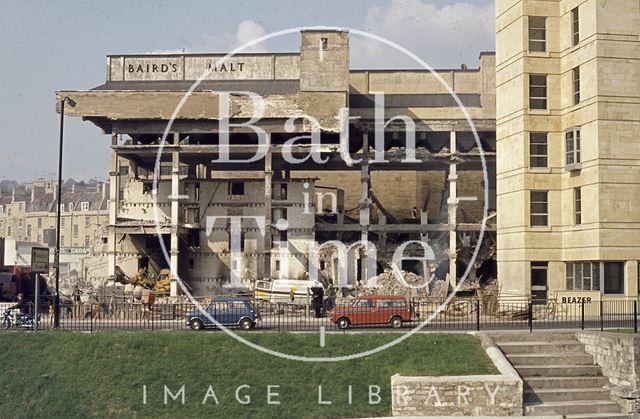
153	68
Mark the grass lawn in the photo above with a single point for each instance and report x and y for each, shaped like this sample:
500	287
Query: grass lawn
68	375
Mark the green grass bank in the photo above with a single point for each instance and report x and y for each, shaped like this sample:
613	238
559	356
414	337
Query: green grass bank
69	375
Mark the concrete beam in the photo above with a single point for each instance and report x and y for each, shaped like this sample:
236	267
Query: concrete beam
193	126
205	153
402	228
161	105
273	125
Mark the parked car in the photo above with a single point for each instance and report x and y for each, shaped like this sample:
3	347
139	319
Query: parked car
375	309
228	311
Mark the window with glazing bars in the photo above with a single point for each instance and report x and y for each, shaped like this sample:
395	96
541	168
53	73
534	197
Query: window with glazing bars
575	27
572	146
537	34
538	156
539	208
537	91
576	85
577	205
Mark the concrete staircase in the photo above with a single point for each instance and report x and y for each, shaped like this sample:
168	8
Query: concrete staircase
560	378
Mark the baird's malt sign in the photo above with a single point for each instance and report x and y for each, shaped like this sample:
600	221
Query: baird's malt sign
191	67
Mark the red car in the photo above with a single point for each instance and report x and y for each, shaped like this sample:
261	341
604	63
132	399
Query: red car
374	309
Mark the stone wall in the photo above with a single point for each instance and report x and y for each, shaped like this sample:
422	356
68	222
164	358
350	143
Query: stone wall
472	395
618	354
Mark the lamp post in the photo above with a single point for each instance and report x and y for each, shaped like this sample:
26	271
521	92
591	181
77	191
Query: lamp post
56	301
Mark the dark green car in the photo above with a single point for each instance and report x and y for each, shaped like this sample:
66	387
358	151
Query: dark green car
227	311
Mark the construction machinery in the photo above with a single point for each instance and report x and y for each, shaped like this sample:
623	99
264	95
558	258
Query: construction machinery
159	283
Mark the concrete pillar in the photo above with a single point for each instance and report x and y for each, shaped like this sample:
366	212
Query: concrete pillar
113	208
382	220
365	203
175	208
340	201
631	278
424	220
452	205
133	169
268	177
424	237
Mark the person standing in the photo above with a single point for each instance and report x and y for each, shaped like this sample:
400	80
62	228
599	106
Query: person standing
318	297
75	298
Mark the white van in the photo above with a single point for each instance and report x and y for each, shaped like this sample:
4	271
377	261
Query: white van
290	291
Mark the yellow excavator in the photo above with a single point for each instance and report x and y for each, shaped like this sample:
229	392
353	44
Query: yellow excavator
160	283
163	282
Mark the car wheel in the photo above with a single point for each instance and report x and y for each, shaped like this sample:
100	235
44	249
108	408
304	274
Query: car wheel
343	323
246	324
396	322
196	324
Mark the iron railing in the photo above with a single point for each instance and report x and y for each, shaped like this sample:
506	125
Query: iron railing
457	315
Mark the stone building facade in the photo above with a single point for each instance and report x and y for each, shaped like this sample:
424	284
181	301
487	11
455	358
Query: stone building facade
568	130
28	214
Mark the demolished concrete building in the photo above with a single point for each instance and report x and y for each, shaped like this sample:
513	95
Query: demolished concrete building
166	118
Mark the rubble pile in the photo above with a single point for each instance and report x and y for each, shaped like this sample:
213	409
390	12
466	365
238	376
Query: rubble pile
70	284
389	283
439	289
488	294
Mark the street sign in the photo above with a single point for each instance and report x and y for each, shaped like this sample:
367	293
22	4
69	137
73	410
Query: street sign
40	260
39	265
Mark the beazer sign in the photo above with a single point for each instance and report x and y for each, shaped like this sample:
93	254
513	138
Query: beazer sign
575	300
192	67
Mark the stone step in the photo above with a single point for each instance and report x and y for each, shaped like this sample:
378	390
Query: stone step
597	416
573	407
536	347
566	394
557	382
532	337
558	370
564	358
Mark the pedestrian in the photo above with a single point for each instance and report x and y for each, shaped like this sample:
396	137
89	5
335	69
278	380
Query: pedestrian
318	297
75	300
